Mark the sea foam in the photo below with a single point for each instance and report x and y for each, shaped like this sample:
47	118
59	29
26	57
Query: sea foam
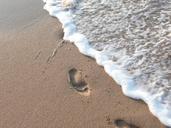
131	39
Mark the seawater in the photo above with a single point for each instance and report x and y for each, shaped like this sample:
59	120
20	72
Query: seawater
130	38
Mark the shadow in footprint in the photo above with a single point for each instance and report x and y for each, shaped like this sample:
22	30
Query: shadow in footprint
123	124
77	81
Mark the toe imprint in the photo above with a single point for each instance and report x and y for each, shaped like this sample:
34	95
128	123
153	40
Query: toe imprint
123	124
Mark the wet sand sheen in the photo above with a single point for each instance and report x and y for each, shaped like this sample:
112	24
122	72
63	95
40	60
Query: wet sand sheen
36	93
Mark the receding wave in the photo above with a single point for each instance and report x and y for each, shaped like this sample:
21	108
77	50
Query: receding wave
130	38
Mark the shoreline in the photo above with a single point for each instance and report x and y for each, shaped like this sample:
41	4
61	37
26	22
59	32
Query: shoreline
34	93
119	75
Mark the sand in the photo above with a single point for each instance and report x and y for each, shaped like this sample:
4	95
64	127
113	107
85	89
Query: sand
34	87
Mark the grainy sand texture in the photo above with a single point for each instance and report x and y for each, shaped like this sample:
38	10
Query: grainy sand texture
36	88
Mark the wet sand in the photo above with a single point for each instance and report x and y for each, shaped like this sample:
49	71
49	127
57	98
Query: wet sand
34	87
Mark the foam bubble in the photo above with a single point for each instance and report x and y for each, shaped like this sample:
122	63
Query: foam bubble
131	39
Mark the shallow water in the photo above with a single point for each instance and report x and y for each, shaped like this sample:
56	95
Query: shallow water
19	13
130	38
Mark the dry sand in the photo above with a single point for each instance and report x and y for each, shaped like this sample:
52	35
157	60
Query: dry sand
34	91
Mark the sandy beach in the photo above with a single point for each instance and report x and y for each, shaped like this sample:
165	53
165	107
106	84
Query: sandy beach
34	87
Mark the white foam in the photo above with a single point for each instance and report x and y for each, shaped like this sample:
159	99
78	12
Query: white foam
116	71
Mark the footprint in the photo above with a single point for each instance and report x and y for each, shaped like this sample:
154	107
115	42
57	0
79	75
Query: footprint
77	82
123	124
